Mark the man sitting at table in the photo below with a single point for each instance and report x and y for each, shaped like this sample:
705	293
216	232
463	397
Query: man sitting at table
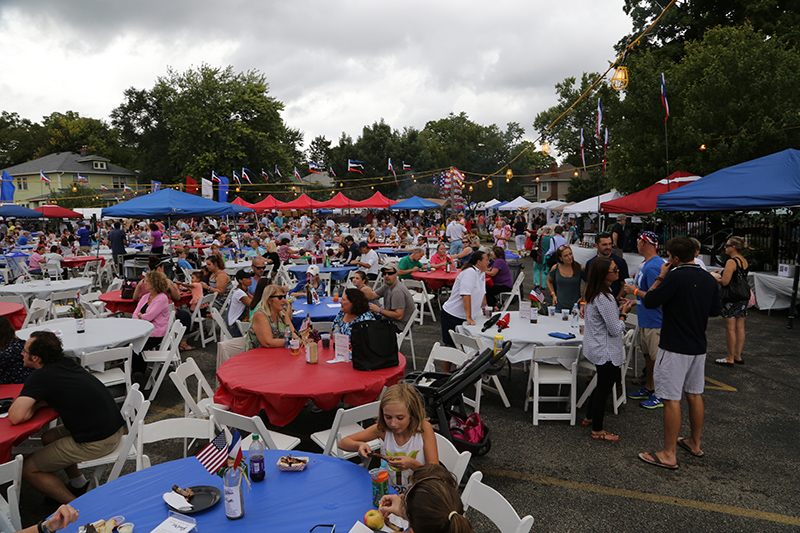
410	263
369	261
92	424
398	302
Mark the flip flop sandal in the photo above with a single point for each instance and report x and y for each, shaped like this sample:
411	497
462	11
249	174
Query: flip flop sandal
605	435
723	362
655	461
738	361
586	422
683	444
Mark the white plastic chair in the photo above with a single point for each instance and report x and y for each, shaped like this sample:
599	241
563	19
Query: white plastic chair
254	424
456	462
162	359
326	278
224	334
401	337
470	346
196	406
494	506
171	428
347	422
421	298
116	285
508	297
36	316
553	374
199	321
133	411
619	395
11	472
115	375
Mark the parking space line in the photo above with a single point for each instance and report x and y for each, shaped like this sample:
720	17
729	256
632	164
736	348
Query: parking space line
645	496
718	385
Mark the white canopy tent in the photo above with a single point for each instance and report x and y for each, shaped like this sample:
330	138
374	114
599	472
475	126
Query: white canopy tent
517	203
544	206
491	203
592	205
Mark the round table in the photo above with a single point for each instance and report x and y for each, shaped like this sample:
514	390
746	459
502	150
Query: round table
280	383
337	273
329	491
15	313
232	268
524	335
11	436
79	261
325	311
117	304
39	289
101	333
393	252
435	279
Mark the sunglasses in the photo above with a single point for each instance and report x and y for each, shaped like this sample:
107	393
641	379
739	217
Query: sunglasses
613	270
259	268
728	246
279	296
390	273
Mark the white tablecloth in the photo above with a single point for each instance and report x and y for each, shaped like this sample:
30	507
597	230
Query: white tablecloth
38	289
101	333
524	335
772	291
232	268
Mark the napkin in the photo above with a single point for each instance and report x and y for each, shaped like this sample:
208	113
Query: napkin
560	335
176	501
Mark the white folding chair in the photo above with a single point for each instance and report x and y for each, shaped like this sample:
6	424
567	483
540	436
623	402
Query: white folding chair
470	346
508	297
347	422
61	302
54	269
283	277
322	326
325	277
254	424
456	462
133	411
116	285
421	298
115	374
196	406
199	321
224	334
407	333
494	506
162	359
36	316
565	372
619	395
11	472
171	428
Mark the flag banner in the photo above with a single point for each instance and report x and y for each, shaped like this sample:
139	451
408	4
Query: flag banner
236	177
406	166
536	295
82	179
222	189
664	98
298	176
583	156
156	185
245	174
315	168
127	188
599	117
235	449
191	185
331	172
278	172
355	166
451	180
207	188
605	152
44	177
8	188
215	454
265	175
215	176
391	169
103	188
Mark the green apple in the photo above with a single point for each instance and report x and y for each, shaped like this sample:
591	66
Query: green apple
373	519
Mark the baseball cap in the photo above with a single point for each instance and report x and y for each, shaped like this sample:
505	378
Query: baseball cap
243	273
313	270
389	267
649	237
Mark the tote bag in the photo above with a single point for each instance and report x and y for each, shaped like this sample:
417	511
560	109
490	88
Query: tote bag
738	290
374	344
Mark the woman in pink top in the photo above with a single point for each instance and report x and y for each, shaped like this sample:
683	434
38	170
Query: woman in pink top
155	309
36	260
440	258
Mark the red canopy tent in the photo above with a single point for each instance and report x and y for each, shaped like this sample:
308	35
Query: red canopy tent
241	202
644	201
268	203
340	201
301	202
55	211
376	201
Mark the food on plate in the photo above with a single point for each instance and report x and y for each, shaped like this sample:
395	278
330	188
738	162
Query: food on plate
186	493
101	526
288	460
373	519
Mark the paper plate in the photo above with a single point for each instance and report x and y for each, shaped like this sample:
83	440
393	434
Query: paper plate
205	496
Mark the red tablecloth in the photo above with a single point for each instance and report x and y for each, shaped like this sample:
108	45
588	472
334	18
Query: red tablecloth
116	304
75	262
10	435
14	312
199	246
436	278
280	383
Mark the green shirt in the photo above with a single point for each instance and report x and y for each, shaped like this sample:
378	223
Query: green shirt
407	264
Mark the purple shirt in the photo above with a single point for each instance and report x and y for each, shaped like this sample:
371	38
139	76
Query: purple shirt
503	276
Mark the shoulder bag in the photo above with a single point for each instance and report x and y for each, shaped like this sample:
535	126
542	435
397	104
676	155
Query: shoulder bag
374	344
738	290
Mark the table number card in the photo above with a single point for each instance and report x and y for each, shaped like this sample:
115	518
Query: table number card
525	311
342	343
176	523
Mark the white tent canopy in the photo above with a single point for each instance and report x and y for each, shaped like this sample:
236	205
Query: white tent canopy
544	206
491	203
517	203
590	205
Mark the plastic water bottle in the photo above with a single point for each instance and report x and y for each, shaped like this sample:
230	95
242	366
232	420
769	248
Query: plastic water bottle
574	316
256	457
287	336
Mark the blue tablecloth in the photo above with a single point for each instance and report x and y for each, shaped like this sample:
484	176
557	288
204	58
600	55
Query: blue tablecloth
328	491
392	252
511	255
337	273
319	313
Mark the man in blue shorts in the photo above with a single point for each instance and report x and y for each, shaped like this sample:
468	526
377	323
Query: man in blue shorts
688	295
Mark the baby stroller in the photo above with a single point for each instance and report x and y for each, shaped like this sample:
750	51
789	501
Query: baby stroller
443	394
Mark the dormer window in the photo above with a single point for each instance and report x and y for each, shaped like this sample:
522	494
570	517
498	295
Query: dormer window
99	165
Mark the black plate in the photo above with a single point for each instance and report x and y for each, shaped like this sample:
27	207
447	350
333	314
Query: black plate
205	496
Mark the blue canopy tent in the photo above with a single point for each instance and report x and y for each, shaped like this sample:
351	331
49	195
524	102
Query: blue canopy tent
17	211
415	203
764	183
169	204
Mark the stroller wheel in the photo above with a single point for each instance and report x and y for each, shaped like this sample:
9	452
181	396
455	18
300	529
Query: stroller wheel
483	450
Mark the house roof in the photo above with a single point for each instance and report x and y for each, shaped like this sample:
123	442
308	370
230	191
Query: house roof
69	162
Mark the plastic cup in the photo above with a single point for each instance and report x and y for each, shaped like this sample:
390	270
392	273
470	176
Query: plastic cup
565	314
326	340
127	527
628	281
551	310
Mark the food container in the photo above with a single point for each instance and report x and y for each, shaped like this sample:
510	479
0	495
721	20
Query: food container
311	353
293	468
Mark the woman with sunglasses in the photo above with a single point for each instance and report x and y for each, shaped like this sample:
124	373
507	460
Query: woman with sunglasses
270	320
733	313
602	340
564	281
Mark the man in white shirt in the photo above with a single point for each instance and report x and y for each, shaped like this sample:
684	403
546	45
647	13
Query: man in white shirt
369	261
454	232
304	220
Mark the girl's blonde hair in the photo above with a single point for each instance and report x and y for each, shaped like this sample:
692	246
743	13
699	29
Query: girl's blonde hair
406	395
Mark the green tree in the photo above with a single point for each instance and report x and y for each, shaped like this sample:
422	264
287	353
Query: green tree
82	196
319	151
20	139
70	132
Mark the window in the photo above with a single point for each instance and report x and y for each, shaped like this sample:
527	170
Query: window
544	187
99	165
119	183
22	184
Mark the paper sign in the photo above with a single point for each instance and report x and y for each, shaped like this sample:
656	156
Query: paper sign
334	306
525	310
173	524
342	343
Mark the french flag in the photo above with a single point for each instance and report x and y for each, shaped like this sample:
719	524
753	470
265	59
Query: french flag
44	177
236	177
315	168
406	166
354	166
605	152
298	176
391	168
103	188
245	176
278	172
664	98
82	179
264	175
583	157
331	172
215	177
235	449
599	117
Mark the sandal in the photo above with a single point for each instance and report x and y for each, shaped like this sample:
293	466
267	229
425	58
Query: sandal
605	435
652	459
186	348
586	422
724	362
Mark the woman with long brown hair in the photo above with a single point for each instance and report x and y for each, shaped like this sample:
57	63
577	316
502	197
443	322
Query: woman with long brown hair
602	340
733	313
564	281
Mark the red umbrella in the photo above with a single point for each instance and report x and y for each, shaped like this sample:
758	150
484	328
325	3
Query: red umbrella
55	211
644	201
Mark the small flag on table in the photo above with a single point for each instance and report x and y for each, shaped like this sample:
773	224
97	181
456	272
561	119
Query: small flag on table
537	295
214	455
235	449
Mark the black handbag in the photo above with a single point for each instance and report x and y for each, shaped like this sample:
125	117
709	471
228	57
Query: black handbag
374	344
128	287
738	290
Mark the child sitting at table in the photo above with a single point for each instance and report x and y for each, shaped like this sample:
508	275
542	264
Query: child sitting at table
408	437
197	288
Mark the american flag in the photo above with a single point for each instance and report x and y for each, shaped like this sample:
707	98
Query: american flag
215	454
452	178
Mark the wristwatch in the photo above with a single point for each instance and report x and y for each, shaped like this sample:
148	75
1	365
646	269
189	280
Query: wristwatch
42	527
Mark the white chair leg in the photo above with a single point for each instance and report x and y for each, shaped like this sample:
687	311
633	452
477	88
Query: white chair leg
589	388
430	308
498	388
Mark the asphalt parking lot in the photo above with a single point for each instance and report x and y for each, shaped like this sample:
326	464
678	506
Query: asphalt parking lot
747	480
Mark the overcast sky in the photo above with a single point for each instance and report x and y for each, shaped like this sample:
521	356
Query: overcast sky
336	64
